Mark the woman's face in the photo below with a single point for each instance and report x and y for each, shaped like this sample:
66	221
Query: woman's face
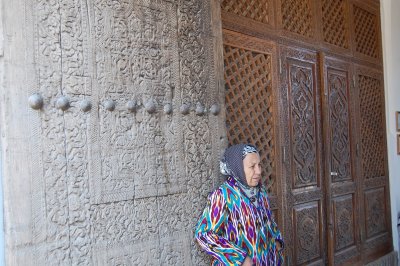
252	169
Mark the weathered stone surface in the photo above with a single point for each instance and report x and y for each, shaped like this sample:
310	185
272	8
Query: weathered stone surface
107	170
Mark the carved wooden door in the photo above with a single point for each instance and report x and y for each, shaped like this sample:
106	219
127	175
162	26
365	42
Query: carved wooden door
374	220
323	130
343	230
302	155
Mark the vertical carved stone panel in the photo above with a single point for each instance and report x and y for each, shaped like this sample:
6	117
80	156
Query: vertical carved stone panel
335	24
194	32
307	232
249	104
52	131
197	140
339	119
77	87
55	182
78	184
74	38
136	60
122	170
202	128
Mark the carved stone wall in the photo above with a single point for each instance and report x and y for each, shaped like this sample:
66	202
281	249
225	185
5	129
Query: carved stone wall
111	129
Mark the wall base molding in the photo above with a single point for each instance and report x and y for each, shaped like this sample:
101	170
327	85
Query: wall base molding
390	259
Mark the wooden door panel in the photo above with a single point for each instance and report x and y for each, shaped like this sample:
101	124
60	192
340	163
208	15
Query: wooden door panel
302	116
255	10
248	16
336	25
301	130
372	167
308	232
344	224
345	229
366	26
297	19
250	77
377	225
375	217
339	123
372	130
341	189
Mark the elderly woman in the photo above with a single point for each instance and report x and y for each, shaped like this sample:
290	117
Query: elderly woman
236	227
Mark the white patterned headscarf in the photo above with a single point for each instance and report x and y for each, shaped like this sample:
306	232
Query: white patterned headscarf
231	163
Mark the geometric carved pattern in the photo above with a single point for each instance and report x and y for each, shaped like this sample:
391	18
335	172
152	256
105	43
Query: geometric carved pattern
303	125
297	17
375	212
335	28
307	231
248	103
372	127
255	10
366	34
344	224
339	124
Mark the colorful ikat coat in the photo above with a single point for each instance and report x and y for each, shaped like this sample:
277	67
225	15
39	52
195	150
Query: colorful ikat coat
231	228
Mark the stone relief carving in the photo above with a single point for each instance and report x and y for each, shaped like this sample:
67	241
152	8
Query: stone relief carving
78	188
136	58
52	132
126	172
170	251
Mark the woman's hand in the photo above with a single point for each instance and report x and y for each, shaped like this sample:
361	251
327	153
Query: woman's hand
247	262
278	245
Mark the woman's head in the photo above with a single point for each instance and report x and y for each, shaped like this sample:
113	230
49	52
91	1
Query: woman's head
242	161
